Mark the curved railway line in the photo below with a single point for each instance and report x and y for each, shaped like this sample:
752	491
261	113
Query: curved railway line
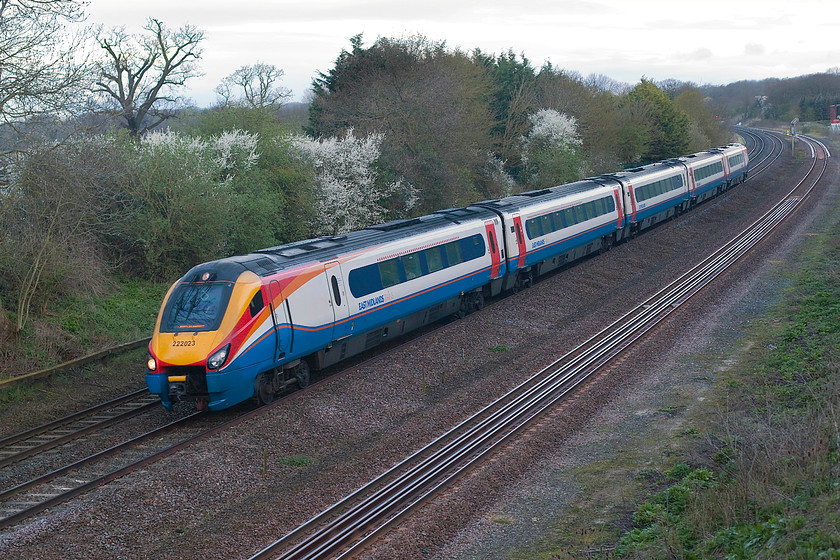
364	515
353	523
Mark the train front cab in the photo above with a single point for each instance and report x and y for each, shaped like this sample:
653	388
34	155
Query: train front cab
206	345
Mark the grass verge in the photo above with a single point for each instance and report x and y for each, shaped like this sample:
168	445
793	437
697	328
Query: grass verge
78	325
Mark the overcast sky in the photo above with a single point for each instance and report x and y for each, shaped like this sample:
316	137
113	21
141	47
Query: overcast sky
702	41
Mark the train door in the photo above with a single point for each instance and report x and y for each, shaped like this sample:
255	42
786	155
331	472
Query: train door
619	206
495	250
692	188
283	332
520	240
727	169
629	203
343	326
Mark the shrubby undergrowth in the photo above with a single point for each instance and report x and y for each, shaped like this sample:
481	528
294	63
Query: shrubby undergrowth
771	487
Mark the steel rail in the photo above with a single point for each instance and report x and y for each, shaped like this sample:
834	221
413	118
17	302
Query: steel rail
101	355
23	448
70	418
61	497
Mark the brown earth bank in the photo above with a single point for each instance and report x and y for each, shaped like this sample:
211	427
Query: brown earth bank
231	496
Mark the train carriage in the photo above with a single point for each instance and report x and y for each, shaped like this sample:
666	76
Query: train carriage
551	227
736	162
706	174
652	193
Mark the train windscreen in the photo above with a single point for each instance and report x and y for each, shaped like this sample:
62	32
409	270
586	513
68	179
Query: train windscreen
196	306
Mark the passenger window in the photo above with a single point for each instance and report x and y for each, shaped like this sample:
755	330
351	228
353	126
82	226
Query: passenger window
546	224
434	259
389	271
533	229
453	253
365	280
336	291
411	265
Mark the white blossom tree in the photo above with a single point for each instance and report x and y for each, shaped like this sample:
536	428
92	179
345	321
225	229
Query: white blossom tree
351	196
550	149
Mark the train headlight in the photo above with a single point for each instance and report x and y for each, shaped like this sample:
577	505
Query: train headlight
219	358
151	363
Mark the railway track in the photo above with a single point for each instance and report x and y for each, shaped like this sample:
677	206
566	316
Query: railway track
58	432
351	524
59	485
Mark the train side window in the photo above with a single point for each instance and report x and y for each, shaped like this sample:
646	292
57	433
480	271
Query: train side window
434	259
532	227
472	247
559	222
453	253
580	215
490	236
256	304
389	272
364	280
601	203
547	226
411	265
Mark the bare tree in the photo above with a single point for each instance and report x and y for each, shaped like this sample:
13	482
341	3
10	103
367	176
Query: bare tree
41	70
42	77
139	75
254	86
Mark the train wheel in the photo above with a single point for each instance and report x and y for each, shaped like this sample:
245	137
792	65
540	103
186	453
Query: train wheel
523	280
302	374
265	390
606	244
478	301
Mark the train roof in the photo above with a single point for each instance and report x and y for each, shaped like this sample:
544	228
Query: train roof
530	198
650	169
701	157
322	249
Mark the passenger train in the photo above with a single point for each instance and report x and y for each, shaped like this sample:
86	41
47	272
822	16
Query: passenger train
253	325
